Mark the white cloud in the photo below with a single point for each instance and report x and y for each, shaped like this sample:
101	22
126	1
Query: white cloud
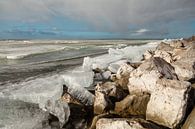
140	32
113	15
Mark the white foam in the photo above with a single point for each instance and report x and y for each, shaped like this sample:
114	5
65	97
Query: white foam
18	52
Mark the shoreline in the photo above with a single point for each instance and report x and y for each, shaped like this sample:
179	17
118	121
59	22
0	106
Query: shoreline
123	93
136	84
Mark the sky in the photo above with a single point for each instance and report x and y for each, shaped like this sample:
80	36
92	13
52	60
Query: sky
96	19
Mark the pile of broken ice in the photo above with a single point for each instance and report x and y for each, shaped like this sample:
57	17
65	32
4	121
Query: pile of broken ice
39	95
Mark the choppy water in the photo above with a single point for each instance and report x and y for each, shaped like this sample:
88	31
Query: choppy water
20	60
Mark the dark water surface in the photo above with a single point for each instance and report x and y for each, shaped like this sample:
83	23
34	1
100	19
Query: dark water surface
43	58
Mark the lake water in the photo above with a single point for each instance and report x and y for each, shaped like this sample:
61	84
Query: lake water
20	60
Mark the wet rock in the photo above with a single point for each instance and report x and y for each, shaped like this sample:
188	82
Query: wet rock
193	90
185	68
148	54
69	99
132	105
167	56
135	65
105	95
96	118
177	53
123	75
111	90
178	44
79	124
113	78
124	70
123	123
164	47
167	105
164	68
188	52
191	39
112	124
102	103
15	114
123	82
190	122
60	109
80	117
143	79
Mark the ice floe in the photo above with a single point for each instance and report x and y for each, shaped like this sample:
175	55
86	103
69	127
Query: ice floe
40	91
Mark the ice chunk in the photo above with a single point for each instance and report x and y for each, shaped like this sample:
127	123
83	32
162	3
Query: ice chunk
133	53
76	81
100	62
40	91
79	77
87	63
60	109
36	91
15	114
116	51
113	67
